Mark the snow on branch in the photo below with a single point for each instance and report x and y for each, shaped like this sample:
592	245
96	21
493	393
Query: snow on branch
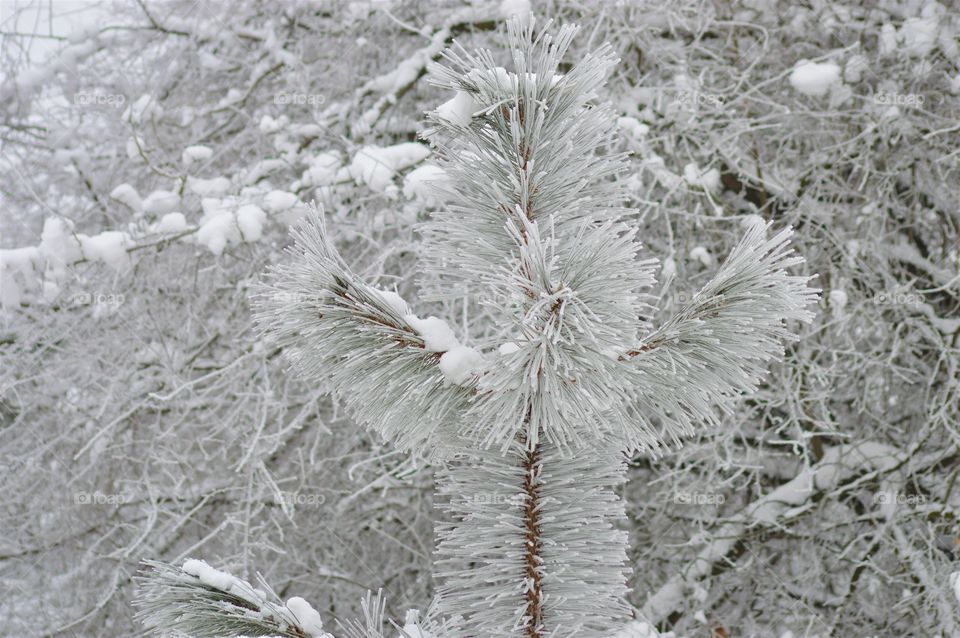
837	464
720	343
406	377
203	602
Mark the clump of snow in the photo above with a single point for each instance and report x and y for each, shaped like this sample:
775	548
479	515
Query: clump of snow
277	201
633	127
208	575
217	231
422	182
837	301
27	260
919	35
458	110
669	268
708	180
392	299
109	247
215	187
508	348
250	219
128	196
323	170
815	79
459	364
307	617
955	583
376	166
196	153
171	223
58	242
701	254
161	202
437	335
269	125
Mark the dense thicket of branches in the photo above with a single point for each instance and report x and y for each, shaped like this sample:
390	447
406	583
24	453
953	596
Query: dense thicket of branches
140	416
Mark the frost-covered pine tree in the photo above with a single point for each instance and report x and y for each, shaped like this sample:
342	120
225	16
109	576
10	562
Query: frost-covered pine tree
530	424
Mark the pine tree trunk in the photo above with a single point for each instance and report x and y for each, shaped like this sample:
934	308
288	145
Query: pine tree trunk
532	548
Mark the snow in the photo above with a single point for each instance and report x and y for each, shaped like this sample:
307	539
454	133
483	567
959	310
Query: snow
392	299
109	248
307	617
269	125
508	348
197	153
437	335
161	202
376	166
888	39
919	35
323	170
422	183
215	187
27	260
519	9
277	201
58	243
669	268
708	180
701	254
459	364
955	583
217	231
458	110
208	575
837	301
633	127
171	223
128	196
250	219
814	79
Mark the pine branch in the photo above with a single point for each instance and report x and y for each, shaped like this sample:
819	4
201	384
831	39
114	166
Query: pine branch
360	342
202	602
720	343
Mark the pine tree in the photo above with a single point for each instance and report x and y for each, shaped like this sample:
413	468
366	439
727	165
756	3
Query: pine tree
530	438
